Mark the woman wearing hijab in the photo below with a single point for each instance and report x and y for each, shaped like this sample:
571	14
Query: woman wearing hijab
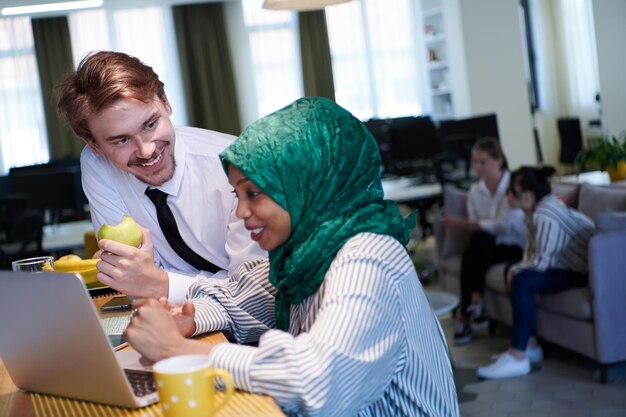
342	323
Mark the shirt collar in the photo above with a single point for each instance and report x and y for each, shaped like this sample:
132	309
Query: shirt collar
502	185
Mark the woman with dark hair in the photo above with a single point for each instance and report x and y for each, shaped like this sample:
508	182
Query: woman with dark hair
496	232
555	259
342	322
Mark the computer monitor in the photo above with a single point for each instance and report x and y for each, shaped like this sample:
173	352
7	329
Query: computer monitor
57	190
475	127
414	145
458	136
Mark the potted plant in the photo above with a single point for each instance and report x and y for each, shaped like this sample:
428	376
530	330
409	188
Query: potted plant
605	153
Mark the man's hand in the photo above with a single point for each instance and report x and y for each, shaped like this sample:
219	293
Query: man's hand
153	332
131	270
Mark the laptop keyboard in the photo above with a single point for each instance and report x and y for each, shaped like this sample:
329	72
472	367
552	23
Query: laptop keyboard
142	382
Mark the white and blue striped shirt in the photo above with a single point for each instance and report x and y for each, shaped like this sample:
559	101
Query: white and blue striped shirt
558	237
367	343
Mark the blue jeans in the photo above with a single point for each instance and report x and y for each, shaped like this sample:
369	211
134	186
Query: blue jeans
526	284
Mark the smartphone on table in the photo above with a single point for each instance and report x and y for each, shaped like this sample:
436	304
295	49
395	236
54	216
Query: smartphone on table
119	302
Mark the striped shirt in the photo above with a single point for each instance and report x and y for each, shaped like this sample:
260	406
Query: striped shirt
558	237
367	343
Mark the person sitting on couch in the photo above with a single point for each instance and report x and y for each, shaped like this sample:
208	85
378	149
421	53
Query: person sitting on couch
555	259
496	232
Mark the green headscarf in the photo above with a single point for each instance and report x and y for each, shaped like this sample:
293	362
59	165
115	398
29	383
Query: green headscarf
322	165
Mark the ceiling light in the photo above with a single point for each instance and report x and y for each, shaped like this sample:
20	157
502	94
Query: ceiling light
50	7
300	5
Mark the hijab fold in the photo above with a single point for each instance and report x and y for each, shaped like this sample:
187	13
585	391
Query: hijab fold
322	165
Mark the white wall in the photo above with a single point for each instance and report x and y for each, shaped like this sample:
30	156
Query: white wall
610	26
493	74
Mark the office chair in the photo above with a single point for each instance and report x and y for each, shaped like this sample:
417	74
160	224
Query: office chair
24	238
570	134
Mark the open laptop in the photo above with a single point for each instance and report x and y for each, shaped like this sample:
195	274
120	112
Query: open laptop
52	341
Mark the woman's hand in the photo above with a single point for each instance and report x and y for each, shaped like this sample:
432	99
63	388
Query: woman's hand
509	281
184	316
154	333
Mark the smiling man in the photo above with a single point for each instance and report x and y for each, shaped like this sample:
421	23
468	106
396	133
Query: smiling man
118	106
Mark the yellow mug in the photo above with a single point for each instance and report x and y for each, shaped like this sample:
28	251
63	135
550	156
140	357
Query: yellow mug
187	386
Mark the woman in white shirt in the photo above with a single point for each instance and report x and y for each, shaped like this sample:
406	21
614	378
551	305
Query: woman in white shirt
342	323
496	232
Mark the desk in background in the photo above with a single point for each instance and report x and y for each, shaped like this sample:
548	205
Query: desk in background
65	236
405	190
15	403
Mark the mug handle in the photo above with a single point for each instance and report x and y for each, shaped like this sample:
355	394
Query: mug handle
227	379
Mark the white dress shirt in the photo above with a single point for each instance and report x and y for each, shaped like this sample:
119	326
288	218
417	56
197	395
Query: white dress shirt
367	343
493	214
200	198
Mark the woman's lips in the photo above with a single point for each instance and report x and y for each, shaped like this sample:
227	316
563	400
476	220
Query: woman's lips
257	233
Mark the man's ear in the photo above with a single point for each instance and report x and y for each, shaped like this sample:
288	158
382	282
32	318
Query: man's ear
91	142
166	103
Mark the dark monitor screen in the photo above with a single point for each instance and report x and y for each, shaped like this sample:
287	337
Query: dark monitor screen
478	127
458	136
413	138
56	189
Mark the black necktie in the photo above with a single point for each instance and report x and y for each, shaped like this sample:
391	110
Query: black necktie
170	230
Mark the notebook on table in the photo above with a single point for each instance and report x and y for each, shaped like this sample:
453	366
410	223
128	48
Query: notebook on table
53	342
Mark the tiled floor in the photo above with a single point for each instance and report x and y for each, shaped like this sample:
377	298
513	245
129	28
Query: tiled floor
563	385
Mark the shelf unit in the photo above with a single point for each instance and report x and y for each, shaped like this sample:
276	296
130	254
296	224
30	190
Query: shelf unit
437	60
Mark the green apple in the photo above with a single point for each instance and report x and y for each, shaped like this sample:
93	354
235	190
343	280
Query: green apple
126	232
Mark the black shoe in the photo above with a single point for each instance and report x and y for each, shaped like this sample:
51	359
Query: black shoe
462	333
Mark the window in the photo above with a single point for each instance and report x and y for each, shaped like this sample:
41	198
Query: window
23	139
374	53
274	46
142	32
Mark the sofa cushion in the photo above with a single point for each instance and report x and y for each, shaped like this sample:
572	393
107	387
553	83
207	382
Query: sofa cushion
575	302
567	191
455	200
495	278
611	221
455	203
594	199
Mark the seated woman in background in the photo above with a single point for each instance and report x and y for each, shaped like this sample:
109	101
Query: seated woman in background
342	322
555	259
496	232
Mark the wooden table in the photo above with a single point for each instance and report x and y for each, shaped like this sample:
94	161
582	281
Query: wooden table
16	403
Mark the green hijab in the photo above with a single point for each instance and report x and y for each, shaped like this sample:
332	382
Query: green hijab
322	165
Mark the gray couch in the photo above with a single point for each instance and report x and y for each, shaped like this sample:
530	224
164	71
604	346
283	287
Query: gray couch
591	320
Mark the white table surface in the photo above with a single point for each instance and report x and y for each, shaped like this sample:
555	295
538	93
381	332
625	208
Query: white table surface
403	189
65	236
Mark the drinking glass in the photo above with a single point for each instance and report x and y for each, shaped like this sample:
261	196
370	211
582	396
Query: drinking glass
37	264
